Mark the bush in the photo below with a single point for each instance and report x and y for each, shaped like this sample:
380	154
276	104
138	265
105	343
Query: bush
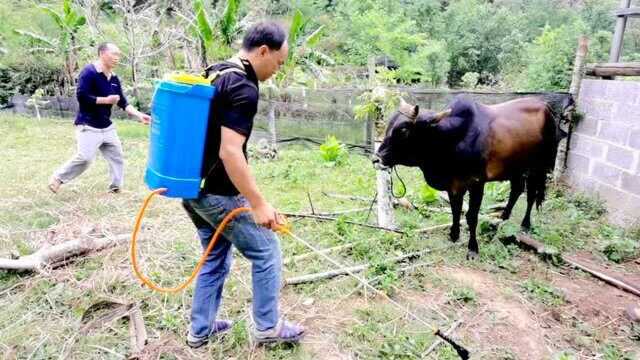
333	151
550	58
28	75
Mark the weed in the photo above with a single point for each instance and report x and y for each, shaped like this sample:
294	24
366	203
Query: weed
543	292
464	295
621	249
564	355
500	255
497	191
428	194
612	352
589	206
333	152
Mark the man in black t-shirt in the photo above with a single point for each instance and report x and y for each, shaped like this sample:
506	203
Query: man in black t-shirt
229	184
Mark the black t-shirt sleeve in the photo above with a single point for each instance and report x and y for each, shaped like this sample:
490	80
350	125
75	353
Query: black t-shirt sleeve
240	107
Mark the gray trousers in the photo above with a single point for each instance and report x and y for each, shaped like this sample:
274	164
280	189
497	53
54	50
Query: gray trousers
89	141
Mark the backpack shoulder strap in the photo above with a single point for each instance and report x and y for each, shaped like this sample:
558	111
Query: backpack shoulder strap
213	75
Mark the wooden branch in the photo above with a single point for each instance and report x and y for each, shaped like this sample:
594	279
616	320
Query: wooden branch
137	333
614	69
61	253
439	340
491	217
540	249
313	210
620	284
327	218
439	227
344	271
310	254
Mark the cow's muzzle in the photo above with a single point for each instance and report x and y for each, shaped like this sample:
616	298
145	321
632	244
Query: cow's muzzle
377	163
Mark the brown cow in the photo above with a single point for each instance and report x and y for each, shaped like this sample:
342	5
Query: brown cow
470	144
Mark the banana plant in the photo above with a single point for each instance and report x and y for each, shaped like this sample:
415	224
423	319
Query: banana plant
300	48
69	23
215	40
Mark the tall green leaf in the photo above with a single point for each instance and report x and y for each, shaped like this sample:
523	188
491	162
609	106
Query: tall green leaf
57	17
204	28
37	39
229	20
313	39
297	24
66	7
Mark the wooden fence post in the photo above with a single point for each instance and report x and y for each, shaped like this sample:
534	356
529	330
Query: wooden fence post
574	90
618	36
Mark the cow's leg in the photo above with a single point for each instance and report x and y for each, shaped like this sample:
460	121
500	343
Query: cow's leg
475	201
455	200
517	186
531	199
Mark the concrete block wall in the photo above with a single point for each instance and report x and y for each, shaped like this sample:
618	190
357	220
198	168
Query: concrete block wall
604	159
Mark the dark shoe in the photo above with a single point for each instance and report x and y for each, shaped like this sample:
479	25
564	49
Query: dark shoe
54	184
114	189
284	332
220	327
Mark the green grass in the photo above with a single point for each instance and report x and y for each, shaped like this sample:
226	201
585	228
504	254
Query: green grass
543	292
40	312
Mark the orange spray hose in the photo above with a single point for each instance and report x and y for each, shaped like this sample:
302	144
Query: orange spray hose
462	352
134	257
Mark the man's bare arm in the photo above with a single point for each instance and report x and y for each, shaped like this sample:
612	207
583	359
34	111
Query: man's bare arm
240	174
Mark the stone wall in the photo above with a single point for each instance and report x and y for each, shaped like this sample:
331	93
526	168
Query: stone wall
604	159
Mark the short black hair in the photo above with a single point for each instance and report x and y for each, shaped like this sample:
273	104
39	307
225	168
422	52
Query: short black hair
103	47
266	33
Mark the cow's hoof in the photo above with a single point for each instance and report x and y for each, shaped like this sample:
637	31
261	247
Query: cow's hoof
505	215
526	226
472	255
454	235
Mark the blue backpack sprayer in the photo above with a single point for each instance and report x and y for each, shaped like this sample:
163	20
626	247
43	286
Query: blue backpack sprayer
180	112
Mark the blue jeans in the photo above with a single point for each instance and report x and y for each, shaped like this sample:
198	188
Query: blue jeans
258	244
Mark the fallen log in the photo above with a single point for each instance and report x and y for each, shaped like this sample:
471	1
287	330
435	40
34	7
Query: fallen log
53	256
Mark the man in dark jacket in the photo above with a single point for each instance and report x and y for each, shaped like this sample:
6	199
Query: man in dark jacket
229	184
98	90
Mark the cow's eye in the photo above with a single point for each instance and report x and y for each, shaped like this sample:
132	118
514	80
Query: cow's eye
404	133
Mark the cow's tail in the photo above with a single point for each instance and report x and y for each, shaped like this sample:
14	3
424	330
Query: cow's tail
552	134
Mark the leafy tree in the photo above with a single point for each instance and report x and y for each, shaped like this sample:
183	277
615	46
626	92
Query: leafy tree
69	22
550	58
477	36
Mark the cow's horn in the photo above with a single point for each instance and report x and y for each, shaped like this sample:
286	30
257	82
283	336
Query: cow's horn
441	115
409	110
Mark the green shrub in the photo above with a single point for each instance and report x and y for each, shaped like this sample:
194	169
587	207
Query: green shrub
333	151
